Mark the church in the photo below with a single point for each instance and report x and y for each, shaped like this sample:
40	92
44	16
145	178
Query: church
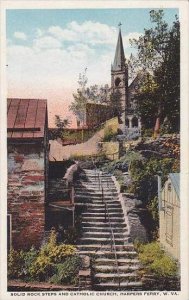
129	122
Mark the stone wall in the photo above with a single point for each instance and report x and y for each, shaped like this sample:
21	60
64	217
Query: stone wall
26	194
110	149
97	114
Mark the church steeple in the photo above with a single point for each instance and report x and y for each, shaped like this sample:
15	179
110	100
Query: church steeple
119	82
119	59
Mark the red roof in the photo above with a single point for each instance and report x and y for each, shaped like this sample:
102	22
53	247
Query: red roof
26	118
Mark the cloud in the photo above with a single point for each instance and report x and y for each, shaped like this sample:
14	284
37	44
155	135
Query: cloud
89	32
46	42
54	58
20	35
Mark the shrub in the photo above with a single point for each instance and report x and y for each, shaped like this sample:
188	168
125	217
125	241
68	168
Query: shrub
29	258
155	260
39	265
149	252
109	134
41	268
164	266
15	264
67	272
56	253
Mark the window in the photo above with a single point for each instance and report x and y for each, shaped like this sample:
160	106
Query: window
117	81
134	122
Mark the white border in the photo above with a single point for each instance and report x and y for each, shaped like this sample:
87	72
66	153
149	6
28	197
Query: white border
183	7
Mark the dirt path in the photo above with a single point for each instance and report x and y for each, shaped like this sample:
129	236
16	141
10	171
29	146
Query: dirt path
59	152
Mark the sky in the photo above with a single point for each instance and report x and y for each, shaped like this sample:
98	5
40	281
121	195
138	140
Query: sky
48	48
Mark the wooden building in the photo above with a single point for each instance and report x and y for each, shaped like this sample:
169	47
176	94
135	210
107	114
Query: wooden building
169	215
27	144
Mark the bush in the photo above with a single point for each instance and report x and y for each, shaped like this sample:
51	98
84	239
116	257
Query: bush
149	252
67	272
109	134
42	268
164	266
15	264
155	260
40	265
56	253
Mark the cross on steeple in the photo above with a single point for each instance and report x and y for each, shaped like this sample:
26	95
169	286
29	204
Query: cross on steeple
120	24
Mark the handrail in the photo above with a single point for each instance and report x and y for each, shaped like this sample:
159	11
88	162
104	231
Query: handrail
107	213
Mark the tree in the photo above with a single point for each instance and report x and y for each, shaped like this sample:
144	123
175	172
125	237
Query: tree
159	53
78	107
148	102
61	124
84	94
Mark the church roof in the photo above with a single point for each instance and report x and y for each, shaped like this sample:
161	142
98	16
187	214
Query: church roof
119	59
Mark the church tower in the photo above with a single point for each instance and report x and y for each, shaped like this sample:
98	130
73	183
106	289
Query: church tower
119	80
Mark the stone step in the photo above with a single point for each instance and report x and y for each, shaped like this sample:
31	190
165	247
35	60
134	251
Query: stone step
96	194
103	224
121	261
126	285
127	247
105	235
104	229
102	214
108	254
102	210
115	205
96	199
102	219
97	175
95	180
115	276
94	184
103	240
112	269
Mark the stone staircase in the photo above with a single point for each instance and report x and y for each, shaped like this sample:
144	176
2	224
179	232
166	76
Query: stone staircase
110	271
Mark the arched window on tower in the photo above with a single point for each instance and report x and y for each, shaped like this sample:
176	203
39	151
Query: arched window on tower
134	122
127	123
117	81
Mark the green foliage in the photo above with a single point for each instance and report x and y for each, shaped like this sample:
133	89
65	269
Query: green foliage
109	134
41	268
55	252
67	272
153	208
61	124
95	93
144	176
147	132
164	266
155	260
159	53
41	265
144	186
15	264
122	163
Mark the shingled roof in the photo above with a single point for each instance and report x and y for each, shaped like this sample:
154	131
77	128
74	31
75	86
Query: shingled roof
26	118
